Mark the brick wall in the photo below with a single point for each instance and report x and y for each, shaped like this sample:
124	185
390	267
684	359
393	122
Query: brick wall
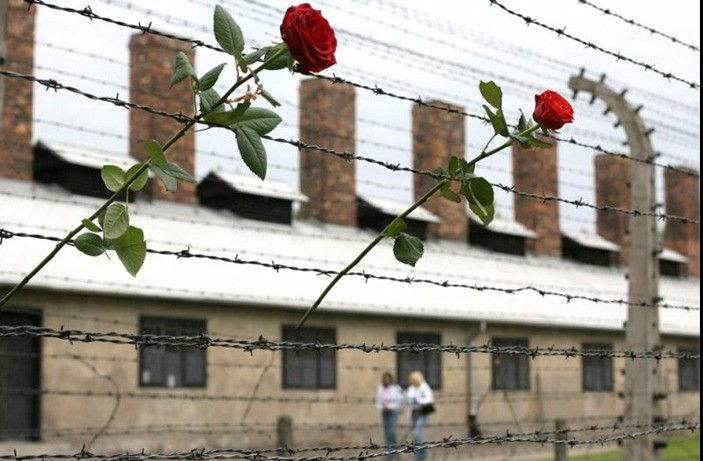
327	118
613	182
151	67
437	136
536	171
16	128
683	199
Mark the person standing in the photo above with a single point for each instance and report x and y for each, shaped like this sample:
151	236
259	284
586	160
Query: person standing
389	398
421	401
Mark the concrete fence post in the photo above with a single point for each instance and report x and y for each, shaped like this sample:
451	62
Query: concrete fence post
560	449
284	433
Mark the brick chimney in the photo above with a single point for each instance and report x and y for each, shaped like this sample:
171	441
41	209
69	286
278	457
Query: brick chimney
328	118
15	93
536	171
151	67
613	182
682	196
437	136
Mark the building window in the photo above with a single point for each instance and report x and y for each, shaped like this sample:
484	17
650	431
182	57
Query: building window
309	369
689	371
597	371
429	363
510	371
167	366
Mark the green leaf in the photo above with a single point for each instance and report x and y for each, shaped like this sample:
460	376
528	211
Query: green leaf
484	213
271	100
90	225
169	182
113	177
522	123
465	167
397	226
281	62
182	69
440	174
453	166
492	94
449	194
227	32
256	56
408	249
208	99
262	121
209	79
131	249
500	126
179	173
479	190
101	218
90	244
536	142
116	220
252	150
156	153
241	108
226	118
141	180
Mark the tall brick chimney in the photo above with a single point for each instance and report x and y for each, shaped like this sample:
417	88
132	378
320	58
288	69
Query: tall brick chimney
151	67
536	171
328	118
437	136
682	193
16	94
613	182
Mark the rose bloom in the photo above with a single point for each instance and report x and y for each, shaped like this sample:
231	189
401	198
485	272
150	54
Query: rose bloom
552	110
309	37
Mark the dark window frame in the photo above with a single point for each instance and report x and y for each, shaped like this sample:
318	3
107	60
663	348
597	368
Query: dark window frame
510	372
318	360
689	371
597	372
178	327
431	362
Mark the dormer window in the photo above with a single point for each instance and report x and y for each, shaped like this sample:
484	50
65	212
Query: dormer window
76	169
588	248
249	197
671	263
376	213
501	236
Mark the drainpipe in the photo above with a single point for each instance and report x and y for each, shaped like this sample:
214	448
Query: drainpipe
473	400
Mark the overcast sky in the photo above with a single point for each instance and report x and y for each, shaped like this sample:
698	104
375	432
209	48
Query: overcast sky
439	49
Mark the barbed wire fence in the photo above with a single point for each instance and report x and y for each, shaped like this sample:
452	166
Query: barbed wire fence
603	431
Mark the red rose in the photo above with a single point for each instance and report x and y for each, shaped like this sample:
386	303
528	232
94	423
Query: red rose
309	37
552	110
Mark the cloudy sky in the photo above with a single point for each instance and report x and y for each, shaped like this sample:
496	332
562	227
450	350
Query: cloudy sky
439	49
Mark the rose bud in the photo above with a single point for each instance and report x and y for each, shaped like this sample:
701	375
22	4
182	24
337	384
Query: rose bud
552	111
309	37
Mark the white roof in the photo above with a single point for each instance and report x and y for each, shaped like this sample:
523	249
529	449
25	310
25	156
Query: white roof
255	186
591	241
89	157
48	210
673	256
504	226
392	208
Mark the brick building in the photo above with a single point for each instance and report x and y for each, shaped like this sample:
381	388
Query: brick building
161	397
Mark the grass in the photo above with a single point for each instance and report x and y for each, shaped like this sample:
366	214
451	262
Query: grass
679	449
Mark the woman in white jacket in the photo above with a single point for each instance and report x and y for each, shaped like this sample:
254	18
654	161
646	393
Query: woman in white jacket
389	397
421	401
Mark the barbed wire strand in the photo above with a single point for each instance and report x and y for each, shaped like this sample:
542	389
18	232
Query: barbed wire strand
346	155
187	254
588	44
204	342
634	23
